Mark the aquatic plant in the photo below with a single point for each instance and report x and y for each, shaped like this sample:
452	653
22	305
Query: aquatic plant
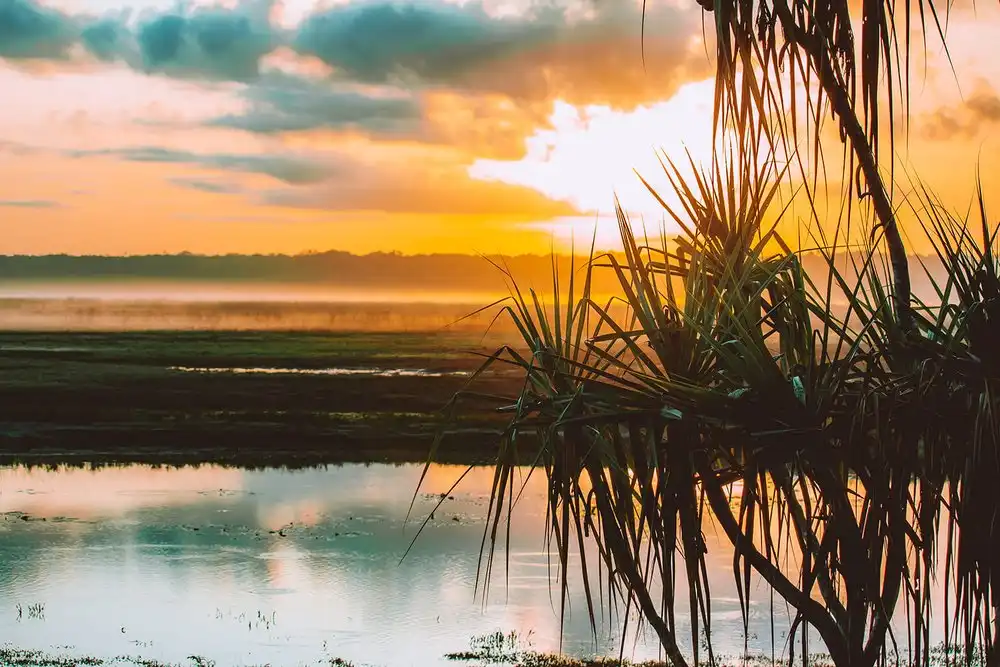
35	611
495	648
11	656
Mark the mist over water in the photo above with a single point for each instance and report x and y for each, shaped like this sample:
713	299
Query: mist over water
183	305
327	292
205	291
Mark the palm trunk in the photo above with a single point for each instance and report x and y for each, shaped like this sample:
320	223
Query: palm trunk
993	656
821	58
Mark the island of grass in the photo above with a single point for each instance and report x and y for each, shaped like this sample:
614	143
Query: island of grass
241	398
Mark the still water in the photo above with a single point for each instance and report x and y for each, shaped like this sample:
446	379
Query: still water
292	567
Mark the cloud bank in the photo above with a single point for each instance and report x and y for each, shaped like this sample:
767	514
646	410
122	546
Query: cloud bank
546	51
289	169
217	42
461	81
980	110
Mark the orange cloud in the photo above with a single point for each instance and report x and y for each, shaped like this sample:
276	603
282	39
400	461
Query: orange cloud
440	187
973	115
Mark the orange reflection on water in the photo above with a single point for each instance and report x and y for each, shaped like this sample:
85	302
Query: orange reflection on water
306	512
94	493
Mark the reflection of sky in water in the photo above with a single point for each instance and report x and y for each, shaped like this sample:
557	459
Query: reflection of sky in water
290	567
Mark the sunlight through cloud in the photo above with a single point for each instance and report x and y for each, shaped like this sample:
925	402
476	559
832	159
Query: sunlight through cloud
589	154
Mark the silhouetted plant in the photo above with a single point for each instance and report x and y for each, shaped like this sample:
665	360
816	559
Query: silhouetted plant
841	449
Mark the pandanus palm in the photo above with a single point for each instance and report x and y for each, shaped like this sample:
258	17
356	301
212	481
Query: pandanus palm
853	60
711	373
725	389
721	385
807	56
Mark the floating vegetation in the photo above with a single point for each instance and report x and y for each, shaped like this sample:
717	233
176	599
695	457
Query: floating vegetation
495	648
34	611
260	621
371	372
510	648
17	657
13	657
499	648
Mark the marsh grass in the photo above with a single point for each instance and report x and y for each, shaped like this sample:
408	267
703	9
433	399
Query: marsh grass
36	610
11	656
110	397
940	656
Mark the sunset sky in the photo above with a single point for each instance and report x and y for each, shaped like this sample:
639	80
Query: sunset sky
142	126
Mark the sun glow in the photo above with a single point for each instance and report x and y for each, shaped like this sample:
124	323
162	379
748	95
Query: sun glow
588	155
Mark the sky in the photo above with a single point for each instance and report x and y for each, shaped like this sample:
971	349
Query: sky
417	126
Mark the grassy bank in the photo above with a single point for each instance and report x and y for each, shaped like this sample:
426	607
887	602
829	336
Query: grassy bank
146	397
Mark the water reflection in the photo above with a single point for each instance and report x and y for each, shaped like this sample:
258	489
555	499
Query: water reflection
289	567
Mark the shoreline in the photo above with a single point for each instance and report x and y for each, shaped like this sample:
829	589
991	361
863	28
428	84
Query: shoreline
12	656
84	448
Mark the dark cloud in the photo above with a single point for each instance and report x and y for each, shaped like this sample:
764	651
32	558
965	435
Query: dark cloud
379	42
488	126
30	30
293	170
981	109
541	54
547	52
212	42
284	103
212	187
411	58
600	61
105	39
29	203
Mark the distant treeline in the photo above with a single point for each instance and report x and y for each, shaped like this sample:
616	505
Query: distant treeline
377	270
341	268
449	272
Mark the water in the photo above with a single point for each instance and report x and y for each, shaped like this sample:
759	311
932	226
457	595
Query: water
290	567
